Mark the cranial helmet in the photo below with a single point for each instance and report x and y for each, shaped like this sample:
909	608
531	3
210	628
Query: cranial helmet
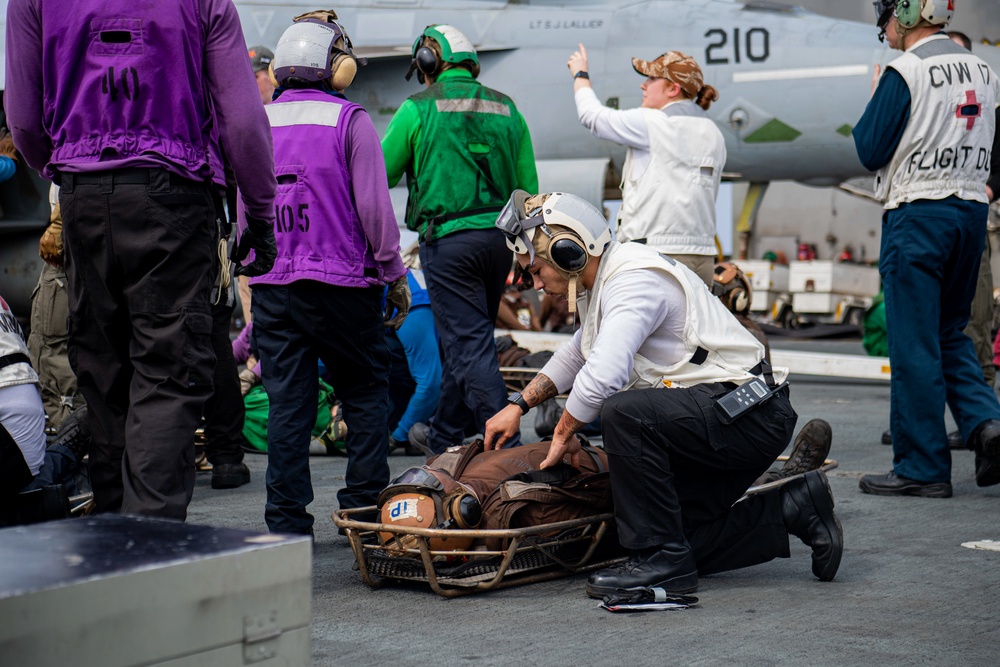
427	498
438	45
314	50
730	284
563	229
910	13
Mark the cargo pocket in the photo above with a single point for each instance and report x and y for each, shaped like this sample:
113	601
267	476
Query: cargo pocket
197	353
705	397
50	307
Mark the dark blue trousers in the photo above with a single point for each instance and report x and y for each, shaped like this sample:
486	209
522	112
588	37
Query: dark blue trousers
466	272
929	264
295	326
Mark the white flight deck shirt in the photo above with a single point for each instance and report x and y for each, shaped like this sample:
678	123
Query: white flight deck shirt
671	174
642	326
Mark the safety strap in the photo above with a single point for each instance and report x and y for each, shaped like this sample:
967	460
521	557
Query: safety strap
557	475
428	234
15	358
455	459
764	368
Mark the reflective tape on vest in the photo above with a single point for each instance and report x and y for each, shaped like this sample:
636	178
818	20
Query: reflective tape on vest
303	113
473	104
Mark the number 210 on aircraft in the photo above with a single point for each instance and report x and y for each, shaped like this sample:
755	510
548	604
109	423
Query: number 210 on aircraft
732	46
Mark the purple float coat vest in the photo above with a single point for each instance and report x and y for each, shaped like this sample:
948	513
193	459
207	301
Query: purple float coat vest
141	65
317	227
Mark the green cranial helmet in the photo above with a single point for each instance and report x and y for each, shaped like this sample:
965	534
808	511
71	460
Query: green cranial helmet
439	46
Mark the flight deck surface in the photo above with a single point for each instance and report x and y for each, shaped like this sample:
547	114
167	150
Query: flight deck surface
907	591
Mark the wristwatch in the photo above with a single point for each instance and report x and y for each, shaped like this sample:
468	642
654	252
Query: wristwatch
582	74
519	401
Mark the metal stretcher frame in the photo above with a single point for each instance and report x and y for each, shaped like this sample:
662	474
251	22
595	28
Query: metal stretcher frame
523	541
585	534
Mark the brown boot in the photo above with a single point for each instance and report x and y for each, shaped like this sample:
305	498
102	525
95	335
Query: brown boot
810	450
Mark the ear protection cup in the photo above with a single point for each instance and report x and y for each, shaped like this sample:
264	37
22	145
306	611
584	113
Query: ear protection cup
730	284
739	301
568	253
427	61
908	12
343	69
465	511
270	74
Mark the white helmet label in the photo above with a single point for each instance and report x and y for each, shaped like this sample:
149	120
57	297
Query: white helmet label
403	509
457	40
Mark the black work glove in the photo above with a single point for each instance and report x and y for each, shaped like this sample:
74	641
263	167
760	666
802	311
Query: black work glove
397	299
259	237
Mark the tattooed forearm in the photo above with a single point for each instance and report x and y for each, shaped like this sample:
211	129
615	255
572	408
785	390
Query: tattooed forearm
568	424
538	390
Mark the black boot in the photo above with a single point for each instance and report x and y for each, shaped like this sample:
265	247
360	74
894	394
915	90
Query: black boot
807	507
74	433
812	445
986	441
668	566
230	475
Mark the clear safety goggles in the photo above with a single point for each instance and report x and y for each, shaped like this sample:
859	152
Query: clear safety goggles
514	222
418	477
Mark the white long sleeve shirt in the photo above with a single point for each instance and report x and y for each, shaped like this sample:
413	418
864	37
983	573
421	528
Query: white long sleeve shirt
644	314
671	174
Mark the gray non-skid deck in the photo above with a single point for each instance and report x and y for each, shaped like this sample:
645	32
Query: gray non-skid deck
907	592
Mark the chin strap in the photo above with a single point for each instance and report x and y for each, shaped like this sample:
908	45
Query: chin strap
572	294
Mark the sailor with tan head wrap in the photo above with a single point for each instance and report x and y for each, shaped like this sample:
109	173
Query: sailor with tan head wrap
675	156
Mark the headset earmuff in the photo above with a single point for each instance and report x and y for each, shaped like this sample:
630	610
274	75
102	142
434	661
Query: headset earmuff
343	69
739	300
908	13
427	61
465	511
568	253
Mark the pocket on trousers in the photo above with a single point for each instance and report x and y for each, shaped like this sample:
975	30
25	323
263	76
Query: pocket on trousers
50	307
184	212
197	353
716	430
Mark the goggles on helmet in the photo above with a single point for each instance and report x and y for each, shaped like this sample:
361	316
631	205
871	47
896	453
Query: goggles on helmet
416	480
515	222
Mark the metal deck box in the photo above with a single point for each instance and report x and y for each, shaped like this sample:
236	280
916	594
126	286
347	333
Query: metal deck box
820	275
116	590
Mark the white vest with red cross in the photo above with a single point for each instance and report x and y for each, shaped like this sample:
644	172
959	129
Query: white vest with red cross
945	148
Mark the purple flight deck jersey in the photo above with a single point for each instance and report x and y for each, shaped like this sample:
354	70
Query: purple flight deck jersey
334	220
112	84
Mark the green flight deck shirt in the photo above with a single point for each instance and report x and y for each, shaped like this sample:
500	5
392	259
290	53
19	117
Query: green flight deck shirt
464	148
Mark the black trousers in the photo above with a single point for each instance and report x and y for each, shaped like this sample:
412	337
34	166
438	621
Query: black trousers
224	409
295	326
465	273
676	471
140	263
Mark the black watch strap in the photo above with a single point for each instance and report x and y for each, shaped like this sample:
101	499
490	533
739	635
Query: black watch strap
582	74
519	401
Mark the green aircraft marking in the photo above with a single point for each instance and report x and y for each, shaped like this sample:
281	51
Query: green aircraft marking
773	131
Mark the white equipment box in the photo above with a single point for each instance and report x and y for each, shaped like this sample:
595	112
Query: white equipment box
767	280
115	590
821	275
816	302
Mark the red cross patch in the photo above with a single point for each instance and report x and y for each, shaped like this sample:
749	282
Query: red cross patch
970	111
